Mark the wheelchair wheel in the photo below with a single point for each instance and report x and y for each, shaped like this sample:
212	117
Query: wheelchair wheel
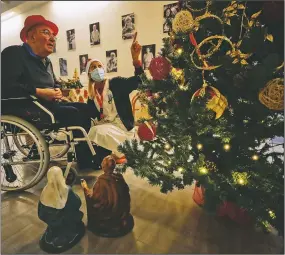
21	171
57	148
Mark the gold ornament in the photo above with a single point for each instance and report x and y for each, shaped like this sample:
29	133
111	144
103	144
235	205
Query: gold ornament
272	95
208	3
240	178
183	22
211	52
218	103
178	74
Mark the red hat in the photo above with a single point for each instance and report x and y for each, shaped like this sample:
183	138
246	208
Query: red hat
36	20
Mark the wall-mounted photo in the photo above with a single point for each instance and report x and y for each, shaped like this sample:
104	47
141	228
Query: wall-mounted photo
111	57
148	53
128	26
94	33
169	11
70	35
83	59
63	67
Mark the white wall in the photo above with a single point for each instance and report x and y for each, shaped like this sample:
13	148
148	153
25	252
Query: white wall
79	14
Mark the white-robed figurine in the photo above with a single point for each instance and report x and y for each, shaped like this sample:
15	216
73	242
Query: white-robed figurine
110	104
59	209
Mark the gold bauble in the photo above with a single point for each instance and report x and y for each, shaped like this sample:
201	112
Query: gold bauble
183	22
272	95
218	103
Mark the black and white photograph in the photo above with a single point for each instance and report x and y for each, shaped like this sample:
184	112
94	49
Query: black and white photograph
128	26
94	33
148	53
169	12
111	57
63	67
83	59
70	34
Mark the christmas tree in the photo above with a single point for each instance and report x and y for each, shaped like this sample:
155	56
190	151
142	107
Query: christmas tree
217	102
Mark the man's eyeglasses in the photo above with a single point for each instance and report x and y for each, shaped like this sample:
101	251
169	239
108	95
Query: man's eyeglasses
48	34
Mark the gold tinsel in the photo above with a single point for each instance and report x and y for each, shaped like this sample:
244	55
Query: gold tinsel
272	95
183	22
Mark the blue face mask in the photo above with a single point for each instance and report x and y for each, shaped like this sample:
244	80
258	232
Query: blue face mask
98	74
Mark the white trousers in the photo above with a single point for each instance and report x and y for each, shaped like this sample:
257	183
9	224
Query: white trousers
111	135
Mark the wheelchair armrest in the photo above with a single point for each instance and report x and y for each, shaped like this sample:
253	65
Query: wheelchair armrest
47	111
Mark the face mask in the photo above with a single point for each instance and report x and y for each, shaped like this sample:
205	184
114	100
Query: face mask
98	74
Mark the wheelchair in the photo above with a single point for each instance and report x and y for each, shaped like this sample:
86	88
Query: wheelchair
31	141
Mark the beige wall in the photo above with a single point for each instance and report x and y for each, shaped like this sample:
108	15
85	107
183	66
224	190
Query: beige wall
78	15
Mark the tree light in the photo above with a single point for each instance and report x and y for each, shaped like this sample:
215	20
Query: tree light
272	214
180	169
241	181
227	147
167	146
203	170
199	146
255	157
179	50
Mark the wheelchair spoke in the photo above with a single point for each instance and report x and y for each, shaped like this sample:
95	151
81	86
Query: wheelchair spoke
23	154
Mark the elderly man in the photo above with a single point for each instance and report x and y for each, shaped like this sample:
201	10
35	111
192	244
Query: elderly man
27	70
95	36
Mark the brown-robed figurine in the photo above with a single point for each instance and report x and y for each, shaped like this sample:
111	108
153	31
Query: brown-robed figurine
108	203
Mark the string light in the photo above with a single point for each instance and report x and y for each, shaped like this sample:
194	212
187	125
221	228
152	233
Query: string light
203	170
156	95
255	157
167	146
180	169
241	181
199	146
179	51
272	214
227	147
169	162
240	178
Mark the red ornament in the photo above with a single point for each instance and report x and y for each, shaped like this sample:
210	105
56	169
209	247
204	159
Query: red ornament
85	93
81	100
159	68
147	131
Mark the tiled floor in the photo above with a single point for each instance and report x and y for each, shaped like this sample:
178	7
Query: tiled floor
164	223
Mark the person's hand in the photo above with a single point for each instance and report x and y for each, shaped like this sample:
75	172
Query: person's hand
49	94
84	184
135	49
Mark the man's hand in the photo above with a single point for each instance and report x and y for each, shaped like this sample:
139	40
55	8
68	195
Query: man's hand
49	94
135	49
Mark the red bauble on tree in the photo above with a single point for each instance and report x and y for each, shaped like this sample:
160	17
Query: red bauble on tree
159	68
147	131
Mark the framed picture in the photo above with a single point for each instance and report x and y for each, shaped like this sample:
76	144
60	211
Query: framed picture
111	60
63	67
70	35
148	53
128	26
94	30
169	12
83	59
